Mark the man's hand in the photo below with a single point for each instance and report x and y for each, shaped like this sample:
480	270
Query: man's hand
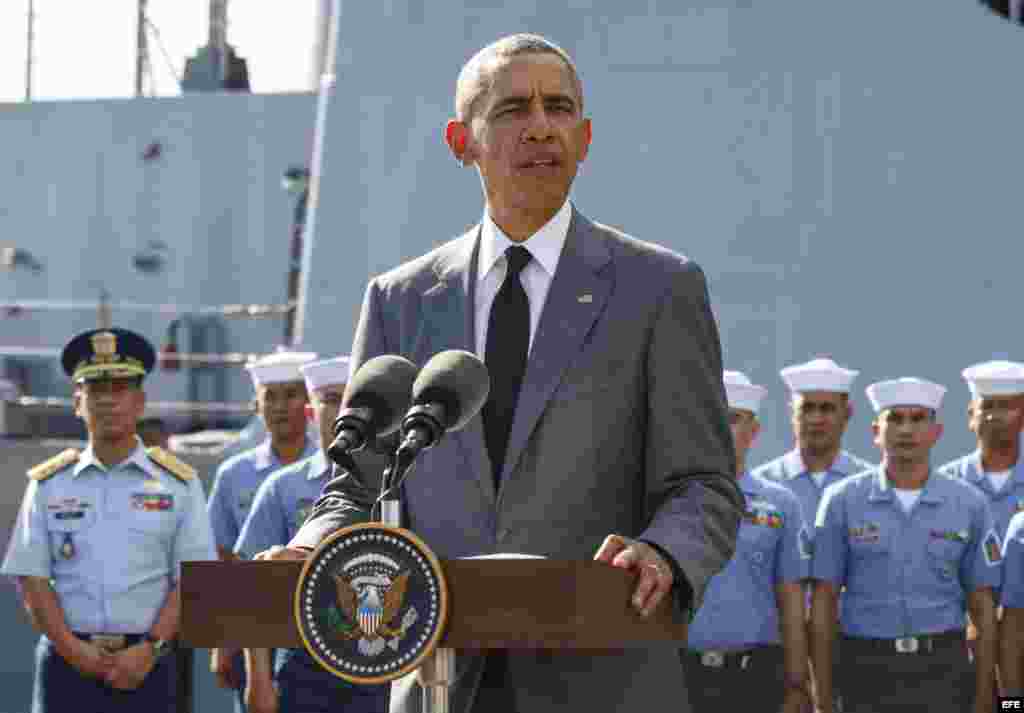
260	695
90	660
278	553
131	666
655	573
223	667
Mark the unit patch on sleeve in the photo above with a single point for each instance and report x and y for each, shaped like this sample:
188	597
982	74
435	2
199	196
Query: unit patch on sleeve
993	550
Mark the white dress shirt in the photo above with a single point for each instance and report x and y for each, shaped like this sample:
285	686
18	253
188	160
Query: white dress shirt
545	247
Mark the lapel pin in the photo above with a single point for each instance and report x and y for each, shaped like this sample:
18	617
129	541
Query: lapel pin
585	298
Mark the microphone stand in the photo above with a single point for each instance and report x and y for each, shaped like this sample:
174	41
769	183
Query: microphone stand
437	672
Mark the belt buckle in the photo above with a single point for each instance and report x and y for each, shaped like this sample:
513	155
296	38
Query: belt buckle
109	642
907	645
713	659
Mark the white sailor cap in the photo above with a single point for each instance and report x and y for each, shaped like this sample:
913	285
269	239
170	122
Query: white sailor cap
279	367
995	378
742	393
329	372
818	375
907	391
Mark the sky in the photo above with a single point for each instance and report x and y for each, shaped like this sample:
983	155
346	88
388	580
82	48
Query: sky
86	50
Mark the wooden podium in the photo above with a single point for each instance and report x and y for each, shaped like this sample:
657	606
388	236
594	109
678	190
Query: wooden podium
494	604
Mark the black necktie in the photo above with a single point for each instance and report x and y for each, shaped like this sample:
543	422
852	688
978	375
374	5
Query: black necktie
508	341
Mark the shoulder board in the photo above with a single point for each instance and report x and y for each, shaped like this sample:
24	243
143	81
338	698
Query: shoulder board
179	469
47	468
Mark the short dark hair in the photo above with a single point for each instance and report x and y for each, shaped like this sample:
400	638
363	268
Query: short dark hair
474	79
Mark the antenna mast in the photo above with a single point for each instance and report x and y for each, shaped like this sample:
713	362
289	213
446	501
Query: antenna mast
28	56
141	48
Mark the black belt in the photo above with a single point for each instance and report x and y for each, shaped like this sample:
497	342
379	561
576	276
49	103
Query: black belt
111	642
741	659
922	644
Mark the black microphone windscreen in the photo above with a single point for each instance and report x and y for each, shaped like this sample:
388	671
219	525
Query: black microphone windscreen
458	380
383	385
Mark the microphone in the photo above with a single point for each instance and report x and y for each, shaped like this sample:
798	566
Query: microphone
449	391
375	399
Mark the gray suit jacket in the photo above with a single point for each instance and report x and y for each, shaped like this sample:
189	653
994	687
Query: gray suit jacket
621	427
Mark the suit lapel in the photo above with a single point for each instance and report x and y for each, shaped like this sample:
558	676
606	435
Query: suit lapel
448	305
575	300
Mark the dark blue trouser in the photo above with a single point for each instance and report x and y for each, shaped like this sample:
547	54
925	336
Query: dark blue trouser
238	662
306	687
58	688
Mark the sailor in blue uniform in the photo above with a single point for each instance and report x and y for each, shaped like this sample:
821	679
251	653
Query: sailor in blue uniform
995	414
915	551
747	647
821	412
1011	631
281	401
281	506
99	541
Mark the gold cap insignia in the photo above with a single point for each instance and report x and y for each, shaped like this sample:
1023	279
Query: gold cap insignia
104	346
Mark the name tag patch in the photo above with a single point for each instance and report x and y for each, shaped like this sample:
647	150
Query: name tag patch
68	508
68	503
960	536
867	534
153	502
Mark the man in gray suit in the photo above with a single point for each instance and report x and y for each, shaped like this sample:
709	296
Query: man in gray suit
605	434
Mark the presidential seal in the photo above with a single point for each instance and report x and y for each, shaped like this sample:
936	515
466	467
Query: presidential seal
371	603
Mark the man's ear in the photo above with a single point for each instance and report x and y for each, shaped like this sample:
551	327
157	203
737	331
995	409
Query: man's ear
308	409
457	136
588	135
76	401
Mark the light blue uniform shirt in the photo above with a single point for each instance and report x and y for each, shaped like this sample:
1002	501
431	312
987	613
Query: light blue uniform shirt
740	609
789	470
235	485
905	574
282	504
129	527
1013	564
1006	502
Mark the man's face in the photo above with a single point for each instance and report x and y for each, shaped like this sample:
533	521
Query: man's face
820	419
906	434
527	135
996	420
326	404
745	428
283	408
110	408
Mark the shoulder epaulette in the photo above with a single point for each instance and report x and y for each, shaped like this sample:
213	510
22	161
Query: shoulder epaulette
179	469
48	467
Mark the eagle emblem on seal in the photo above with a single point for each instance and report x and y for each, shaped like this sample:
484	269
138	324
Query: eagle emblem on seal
370	596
